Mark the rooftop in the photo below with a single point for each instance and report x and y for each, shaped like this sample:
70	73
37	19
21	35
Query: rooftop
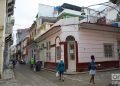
99	27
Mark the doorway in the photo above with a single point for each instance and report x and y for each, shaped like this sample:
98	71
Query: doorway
118	43
71	53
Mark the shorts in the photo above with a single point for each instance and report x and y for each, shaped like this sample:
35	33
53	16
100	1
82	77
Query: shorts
92	72
61	72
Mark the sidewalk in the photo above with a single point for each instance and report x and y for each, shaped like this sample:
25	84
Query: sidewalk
103	70
8	78
8	74
85	72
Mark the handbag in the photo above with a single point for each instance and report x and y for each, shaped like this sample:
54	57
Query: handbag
57	74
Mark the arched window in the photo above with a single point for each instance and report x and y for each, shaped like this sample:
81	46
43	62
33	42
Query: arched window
70	38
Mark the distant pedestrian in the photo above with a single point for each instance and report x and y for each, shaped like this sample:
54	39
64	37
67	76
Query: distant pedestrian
38	65
32	62
92	69
61	69
14	63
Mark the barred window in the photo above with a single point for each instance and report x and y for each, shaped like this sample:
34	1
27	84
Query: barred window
43	45
108	50
48	51
58	49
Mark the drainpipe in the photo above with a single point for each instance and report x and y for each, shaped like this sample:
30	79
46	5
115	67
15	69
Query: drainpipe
118	31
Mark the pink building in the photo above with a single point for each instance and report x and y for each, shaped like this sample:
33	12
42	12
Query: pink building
75	42
77	36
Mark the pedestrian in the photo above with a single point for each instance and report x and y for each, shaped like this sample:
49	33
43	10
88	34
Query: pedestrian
92	69
14	63
38	65
31	62
61	69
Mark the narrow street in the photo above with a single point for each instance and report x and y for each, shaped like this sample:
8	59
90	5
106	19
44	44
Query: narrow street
26	77
78	37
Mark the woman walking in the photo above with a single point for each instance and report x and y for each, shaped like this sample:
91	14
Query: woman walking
61	69
92	69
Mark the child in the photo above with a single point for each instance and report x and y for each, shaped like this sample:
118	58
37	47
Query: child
92	69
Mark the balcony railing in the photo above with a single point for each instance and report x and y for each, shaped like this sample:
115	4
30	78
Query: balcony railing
96	19
9	25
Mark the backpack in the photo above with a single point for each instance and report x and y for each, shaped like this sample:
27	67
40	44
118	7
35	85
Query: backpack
89	66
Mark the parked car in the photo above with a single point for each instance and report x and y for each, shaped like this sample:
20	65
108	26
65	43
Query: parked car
22	62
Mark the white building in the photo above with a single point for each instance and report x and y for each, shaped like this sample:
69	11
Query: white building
74	38
48	11
44	20
46	15
6	23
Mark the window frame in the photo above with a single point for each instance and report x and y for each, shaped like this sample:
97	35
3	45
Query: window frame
48	50
108	50
58	52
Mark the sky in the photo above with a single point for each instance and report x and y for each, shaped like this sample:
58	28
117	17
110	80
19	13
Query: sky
25	11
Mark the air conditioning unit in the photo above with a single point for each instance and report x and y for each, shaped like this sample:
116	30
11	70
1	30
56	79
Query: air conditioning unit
83	13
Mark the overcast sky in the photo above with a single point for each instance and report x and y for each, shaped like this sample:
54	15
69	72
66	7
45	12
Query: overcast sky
26	10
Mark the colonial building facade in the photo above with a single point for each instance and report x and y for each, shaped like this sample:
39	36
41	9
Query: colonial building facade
22	38
74	35
75	43
32	45
74	38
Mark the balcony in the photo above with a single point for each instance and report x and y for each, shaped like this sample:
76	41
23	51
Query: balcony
29	41
9	25
42	29
9	39
98	20
10	7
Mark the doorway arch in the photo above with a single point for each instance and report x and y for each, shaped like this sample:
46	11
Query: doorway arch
71	53
70	38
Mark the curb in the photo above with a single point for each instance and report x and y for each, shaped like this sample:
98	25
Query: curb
74	73
49	69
